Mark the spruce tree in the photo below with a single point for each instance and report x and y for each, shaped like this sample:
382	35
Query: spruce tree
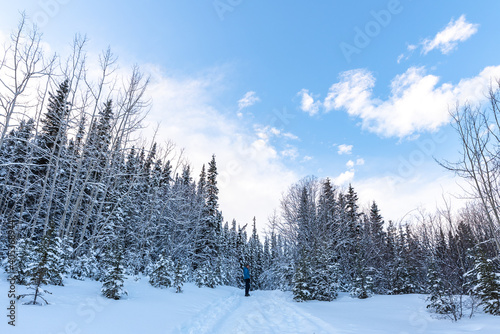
302	289
54	122
162	274
112	286
179	277
439	298
487	284
25	257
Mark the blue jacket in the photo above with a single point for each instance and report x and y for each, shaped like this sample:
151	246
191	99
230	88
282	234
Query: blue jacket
246	273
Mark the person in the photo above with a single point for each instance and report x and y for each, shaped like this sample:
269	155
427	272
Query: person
246	277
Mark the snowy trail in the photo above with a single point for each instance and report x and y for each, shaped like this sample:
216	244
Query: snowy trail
263	312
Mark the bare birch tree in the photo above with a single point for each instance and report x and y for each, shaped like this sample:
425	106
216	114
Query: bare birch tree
478	130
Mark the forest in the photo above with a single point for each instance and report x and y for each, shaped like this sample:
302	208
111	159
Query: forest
82	196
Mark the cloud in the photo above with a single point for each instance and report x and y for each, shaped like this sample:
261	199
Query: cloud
416	102
344	149
290	152
344	178
447	39
307	103
398	200
267	132
252	175
359	162
248	100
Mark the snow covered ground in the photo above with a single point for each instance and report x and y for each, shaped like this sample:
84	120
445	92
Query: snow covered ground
78	308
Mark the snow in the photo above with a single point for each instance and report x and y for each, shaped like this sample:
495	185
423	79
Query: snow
77	308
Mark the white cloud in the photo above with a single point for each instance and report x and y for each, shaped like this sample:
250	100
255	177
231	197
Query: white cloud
397	200
359	162
248	100
447	39
307	103
400	58
307	158
344	149
267	132
251	173
416	103
344	178
290	152
411	47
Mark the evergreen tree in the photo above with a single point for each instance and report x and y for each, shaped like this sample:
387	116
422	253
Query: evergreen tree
112	286
85	266
301	281
162	273
179	277
25	257
54	122
439	297
206	276
48	267
255	257
487	284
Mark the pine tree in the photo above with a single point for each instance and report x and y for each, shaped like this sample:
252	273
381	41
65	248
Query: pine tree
179	277
487	284
84	266
438	299
47	266
162	274
362	286
301	281
206	276
112	286
255	257
54	124
25	256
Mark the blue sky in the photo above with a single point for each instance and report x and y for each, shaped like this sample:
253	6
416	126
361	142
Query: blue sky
356	91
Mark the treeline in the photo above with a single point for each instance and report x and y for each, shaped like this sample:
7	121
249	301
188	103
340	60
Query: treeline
336	247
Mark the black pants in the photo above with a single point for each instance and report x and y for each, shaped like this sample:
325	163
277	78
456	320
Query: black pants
247	286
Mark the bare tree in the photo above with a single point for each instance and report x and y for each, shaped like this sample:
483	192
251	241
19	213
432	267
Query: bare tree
478	130
21	65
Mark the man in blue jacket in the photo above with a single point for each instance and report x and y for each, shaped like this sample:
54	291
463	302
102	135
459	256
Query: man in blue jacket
246	277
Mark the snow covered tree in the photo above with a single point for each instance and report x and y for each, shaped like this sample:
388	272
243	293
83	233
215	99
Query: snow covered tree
254	257
439	300
84	266
487	284
206	276
301	281
162	273
25	257
112	286
54	124
48	265
179	277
